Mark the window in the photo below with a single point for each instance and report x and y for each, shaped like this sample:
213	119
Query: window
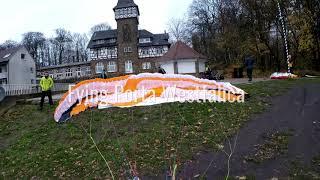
127	49
69	73
165	49
93	54
144	40
145	51
146	65
23	56
102	53
78	72
134	11
88	71
32	81
3	69
128	67
31	70
99	67
112	66
3	81
59	76
159	51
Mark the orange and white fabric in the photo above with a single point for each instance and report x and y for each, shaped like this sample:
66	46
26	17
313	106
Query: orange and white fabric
143	90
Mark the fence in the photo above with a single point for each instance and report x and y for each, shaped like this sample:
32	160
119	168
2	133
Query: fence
29	89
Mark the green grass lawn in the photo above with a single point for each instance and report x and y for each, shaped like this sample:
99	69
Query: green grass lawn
156	137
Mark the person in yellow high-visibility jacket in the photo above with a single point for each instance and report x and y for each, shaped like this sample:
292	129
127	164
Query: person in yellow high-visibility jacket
46	84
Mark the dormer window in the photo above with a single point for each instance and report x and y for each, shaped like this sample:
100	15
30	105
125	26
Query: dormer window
103	41
100	41
144	40
113	40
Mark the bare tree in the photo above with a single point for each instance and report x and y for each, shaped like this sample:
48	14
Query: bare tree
47	56
63	40
80	42
178	30
34	42
8	44
204	22
63	47
53	51
100	27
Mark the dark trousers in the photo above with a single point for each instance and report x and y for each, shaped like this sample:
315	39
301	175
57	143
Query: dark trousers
43	95
249	73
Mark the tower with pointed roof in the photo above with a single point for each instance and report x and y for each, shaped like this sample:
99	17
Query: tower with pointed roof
127	17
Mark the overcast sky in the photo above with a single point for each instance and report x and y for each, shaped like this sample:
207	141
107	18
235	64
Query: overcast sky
20	16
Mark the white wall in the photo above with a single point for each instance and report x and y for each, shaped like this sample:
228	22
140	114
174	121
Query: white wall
168	67
186	66
60	73
20	69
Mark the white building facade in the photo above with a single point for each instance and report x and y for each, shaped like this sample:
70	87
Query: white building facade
17	66
79	70
182	59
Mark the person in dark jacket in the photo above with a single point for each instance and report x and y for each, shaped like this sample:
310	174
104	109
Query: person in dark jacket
249	63
103	75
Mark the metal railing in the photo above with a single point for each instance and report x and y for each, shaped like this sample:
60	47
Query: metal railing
29	89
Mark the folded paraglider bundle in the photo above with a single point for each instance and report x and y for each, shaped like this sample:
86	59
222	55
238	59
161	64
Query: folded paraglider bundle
143	90
279	75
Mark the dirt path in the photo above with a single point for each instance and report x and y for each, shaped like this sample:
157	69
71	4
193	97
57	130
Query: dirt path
298	112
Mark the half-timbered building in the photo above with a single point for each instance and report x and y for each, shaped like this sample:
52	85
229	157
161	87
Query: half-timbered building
127	49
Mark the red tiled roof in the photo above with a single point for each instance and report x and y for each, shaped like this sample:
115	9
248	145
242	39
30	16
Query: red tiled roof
181	51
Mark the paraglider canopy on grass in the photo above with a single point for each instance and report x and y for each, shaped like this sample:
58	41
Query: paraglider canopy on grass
143	90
